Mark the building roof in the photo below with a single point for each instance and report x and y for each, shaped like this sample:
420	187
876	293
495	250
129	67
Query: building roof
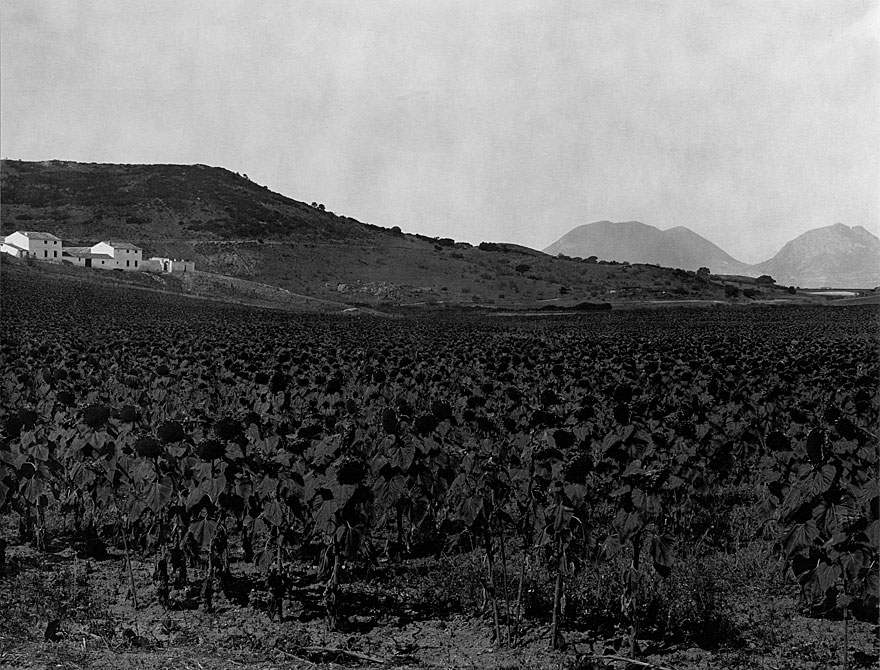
33	235
120	245
84	252
14	246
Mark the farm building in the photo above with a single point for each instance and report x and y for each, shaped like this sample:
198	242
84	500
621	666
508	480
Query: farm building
172	265
127	255
106	256
84	257
30	244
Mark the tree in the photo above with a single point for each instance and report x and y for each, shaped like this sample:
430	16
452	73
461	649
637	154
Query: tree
765	279
731	291
703	272
523	267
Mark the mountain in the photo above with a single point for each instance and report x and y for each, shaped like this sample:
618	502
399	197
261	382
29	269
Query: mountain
233	227
839	256
637	242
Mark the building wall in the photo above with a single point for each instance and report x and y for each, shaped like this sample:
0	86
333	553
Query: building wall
182	266
98	263
172	265
19	240
127	259
44	250
13	250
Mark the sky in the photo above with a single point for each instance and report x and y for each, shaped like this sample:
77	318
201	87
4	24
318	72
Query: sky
748	121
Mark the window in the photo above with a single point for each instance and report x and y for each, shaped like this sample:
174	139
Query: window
135	263
45	254
126	263
55	254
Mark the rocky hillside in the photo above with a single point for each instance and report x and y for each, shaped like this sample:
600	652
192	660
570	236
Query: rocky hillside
838	256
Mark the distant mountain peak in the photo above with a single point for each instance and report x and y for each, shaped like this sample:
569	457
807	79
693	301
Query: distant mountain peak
837	255
637	242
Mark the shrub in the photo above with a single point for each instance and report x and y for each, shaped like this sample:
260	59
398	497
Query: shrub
691	605
592	306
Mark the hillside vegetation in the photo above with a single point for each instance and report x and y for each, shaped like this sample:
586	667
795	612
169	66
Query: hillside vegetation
232	226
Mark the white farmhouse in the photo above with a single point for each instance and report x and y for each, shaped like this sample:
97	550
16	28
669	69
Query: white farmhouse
84	257
106	256
126	255
30	244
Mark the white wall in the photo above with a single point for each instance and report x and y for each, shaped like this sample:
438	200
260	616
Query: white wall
13	250
44	250
172	265
126	259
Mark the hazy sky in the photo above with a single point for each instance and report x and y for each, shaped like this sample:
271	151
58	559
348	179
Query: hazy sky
749	121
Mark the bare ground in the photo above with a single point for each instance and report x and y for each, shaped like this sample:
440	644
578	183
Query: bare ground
98	627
